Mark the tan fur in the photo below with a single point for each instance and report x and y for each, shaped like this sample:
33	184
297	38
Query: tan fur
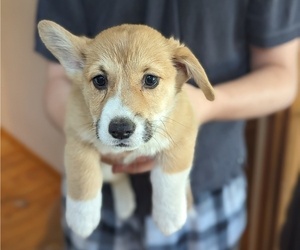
125	53
84	159
183	132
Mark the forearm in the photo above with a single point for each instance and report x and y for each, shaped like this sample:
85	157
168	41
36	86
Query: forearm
56	94
270	86
261	92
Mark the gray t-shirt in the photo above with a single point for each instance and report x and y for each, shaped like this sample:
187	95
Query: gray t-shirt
219	32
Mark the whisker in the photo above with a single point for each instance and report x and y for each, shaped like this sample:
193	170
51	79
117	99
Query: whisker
168	119
166	135
166	131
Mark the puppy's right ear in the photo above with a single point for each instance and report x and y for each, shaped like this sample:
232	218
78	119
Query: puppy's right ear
66	47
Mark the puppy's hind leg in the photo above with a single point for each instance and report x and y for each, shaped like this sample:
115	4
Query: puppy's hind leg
123	197
84	182
123	194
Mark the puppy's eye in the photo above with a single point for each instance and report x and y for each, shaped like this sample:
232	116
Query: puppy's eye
100	82
150	81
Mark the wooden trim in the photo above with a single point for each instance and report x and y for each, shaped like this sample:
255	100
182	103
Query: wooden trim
273	169
256	150
290	167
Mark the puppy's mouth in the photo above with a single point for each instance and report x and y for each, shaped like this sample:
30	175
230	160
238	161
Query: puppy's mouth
123	145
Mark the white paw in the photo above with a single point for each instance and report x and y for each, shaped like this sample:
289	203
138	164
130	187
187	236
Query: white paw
169	220
169	199
83	216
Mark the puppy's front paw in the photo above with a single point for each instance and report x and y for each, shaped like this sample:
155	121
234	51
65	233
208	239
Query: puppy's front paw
169	199
83	216
169	220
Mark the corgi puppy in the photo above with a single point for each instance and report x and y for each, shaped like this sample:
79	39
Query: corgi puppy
127	100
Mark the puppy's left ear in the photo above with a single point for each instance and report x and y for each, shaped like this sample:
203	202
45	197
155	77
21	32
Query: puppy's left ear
188	66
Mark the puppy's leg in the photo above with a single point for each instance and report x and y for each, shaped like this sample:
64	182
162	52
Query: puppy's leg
170	180
123	197
123	193
169	199
84	182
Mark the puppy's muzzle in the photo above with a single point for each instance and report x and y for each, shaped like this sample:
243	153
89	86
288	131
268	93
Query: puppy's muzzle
121	128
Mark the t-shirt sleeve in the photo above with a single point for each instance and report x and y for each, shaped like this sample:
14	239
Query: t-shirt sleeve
273	22
69	14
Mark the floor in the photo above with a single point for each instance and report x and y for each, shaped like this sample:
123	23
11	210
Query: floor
29	200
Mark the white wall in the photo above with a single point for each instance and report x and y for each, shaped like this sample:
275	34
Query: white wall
22	84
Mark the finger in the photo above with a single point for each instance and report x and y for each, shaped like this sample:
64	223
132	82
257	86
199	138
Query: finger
134	168
117	161
110	160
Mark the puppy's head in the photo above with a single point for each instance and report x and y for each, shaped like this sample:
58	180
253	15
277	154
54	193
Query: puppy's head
129	76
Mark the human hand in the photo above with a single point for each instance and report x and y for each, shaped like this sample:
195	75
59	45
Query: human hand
140	165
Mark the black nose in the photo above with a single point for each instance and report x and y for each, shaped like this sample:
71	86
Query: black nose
121	128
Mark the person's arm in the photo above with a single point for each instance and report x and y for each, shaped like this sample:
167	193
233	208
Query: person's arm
57	90
269	87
